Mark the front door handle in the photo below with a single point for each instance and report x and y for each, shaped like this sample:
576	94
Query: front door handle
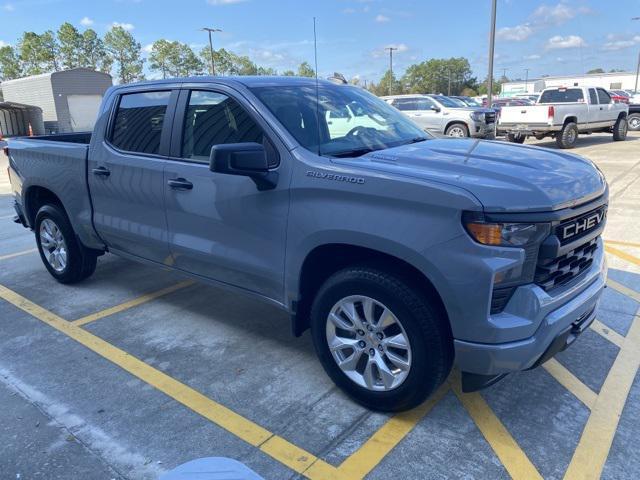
101	171
180	184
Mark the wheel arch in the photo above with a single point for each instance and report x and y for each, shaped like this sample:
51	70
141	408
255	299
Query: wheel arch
326	259
460	122
35	196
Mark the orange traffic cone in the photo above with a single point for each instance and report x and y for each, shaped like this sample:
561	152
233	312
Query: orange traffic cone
30	130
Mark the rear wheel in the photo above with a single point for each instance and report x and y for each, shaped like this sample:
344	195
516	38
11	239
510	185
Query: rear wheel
634	122
384	342
516	137
568	136
66	259
620	129
457	130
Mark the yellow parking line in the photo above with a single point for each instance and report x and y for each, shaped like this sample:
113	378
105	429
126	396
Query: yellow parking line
624	244
607	332
132	303
620	288
371	453
503	444
593	448
252	433
569	381
624	255
17	254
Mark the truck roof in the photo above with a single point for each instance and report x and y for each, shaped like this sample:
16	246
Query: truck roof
246	80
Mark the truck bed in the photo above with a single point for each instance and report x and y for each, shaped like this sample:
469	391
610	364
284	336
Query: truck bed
76	137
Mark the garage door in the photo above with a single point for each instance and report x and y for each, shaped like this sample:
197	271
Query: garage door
83	110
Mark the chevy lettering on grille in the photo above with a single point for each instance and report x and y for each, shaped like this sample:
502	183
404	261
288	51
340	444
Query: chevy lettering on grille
581	225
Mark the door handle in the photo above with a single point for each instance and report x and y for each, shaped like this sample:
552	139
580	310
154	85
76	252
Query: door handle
180	184
601	108
101	171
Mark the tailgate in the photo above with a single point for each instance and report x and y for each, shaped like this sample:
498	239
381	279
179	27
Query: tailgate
524	115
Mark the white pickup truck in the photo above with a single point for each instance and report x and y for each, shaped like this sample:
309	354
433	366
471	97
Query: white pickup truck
564	112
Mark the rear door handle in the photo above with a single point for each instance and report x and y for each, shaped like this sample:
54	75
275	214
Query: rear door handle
180	184
101	171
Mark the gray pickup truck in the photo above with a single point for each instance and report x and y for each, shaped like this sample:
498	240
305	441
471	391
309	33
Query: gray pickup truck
402	253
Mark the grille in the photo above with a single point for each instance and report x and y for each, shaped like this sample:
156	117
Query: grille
551	273
490	117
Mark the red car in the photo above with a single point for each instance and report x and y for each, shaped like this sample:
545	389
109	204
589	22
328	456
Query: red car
618	96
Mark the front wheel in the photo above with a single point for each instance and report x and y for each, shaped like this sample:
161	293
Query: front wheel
620	130
383	341
457	130
66	259
634	122
516	137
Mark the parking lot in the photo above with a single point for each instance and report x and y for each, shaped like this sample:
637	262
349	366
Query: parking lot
138	370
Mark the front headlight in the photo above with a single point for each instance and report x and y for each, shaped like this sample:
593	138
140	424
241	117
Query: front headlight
477	116
507	234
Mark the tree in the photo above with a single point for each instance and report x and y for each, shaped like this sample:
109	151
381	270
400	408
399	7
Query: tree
483	87
93	53
388	85
174	59
267	71
37	53
305	70
289	73
10	67
595	70
188	63
126	54
70	46
437	74
469	92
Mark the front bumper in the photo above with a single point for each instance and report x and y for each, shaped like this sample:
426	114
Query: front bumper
561	312
482	130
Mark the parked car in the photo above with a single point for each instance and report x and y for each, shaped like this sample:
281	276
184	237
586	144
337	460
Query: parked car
402	253
440	114
634	117
469	101
619	96
563	113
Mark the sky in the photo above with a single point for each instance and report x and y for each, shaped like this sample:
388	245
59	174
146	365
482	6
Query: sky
547	37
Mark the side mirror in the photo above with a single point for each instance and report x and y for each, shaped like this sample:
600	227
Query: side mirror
435	109
245	159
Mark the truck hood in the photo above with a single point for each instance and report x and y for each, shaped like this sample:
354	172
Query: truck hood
503	177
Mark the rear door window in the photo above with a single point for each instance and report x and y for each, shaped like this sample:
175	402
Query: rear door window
562	95
603	96
138	122
405	104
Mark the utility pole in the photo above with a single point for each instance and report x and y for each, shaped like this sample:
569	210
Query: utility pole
504	72
449	90
492	46
526	80
210	31
638	67
391	50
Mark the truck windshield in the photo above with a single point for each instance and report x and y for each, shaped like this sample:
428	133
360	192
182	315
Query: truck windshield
348	122
562	95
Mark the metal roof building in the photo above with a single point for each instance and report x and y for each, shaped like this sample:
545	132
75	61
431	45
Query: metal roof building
609	81
69	99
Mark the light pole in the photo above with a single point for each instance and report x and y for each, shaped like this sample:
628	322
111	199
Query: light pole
492	45
391	50
526	80
210	31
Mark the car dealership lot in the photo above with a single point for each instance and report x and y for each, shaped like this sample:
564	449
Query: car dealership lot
137	370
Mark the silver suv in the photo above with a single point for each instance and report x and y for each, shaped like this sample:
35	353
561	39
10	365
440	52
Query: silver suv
445	115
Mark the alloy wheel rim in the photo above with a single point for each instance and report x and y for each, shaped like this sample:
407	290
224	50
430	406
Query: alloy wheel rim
635	122
456	132
53	245
368	343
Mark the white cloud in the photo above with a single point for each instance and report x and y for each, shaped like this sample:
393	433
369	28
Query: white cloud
8	7
147	48
86	22
3	44
381	18
620	43
534	56
223	2
559	42
127	26
518	33
558	14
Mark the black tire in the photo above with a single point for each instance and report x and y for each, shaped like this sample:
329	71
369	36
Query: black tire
634	122
568	136
424	322
620	129
516	137
454	127
80	261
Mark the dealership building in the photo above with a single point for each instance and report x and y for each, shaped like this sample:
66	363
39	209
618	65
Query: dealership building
609	81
